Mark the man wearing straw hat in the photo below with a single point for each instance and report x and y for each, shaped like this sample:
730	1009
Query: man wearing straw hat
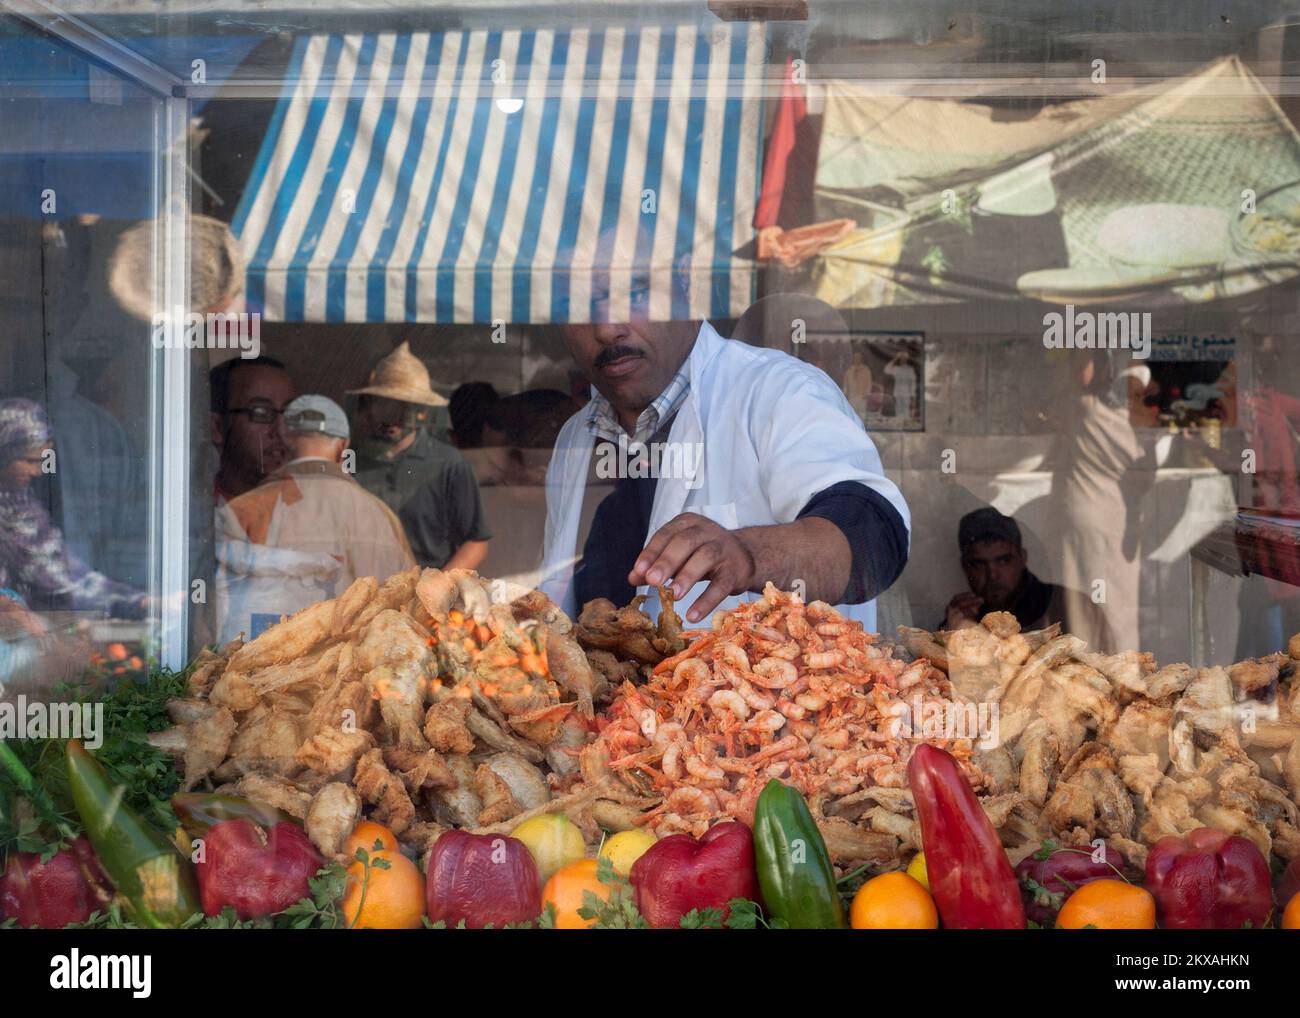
427	483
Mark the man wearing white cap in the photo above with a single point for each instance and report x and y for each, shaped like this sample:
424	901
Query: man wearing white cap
426	482
312	507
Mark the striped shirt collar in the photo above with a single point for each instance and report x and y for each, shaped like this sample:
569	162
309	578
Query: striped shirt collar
603	422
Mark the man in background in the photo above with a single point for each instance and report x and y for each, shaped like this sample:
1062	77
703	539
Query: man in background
309	529
474	416
996	565
427	483
248	397
97	486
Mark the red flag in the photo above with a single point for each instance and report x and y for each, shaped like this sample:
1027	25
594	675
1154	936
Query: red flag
793	109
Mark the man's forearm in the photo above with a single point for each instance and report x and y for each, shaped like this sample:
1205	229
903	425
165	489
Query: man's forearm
812	550
468	555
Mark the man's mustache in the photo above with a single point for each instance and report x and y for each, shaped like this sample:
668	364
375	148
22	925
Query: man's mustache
613	353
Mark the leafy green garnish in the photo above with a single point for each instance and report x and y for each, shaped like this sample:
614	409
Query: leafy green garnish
1042	896
321	909
702	919
43	818
743	914
617	912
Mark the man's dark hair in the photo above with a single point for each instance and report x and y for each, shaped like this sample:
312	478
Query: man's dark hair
472	406
986	524
219	377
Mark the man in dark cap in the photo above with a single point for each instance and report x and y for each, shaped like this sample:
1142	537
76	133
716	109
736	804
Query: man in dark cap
995	562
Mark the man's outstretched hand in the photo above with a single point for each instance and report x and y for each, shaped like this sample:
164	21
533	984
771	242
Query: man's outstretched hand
689	548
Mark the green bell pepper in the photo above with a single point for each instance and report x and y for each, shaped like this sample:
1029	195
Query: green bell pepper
155	881
794	867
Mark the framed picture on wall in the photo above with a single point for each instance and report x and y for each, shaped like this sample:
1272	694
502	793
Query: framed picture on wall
882	374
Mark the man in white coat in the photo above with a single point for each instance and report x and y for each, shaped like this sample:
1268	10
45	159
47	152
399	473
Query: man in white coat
731	466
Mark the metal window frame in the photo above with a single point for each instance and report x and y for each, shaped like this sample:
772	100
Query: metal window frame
170	432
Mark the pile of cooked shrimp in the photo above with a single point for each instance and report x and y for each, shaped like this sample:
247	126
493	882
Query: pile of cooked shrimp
777	689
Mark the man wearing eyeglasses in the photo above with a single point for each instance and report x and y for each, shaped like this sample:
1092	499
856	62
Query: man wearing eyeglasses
248	397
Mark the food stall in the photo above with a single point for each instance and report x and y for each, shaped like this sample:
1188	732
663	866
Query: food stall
1053	278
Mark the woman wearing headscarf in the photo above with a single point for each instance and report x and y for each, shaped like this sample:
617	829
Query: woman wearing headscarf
36	568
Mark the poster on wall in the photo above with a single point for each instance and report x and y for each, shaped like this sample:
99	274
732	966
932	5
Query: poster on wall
882	374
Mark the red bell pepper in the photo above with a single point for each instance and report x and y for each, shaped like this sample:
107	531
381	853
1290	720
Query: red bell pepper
678	873
1046	883
481	880
970	876
67	888
255	870
1209	880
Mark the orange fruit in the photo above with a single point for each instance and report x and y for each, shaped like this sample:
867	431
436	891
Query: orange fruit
1291	914
893	901
365	834
1108	905
393	896
565	891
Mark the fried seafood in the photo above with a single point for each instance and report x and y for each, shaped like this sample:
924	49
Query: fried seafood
427	700
628	633
437	699
384	791
275	791
445	728
202	741
331	817
394	653
1115	746
782	690
334	752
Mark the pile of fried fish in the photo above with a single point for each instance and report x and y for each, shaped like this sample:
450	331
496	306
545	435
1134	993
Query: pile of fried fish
440	699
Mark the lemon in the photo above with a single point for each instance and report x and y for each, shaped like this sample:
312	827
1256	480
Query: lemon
916	870
625	848
554	840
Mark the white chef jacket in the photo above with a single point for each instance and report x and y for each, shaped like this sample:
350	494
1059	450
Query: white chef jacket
773	432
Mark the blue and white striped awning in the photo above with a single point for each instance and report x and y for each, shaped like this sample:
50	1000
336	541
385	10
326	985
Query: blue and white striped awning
402	179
